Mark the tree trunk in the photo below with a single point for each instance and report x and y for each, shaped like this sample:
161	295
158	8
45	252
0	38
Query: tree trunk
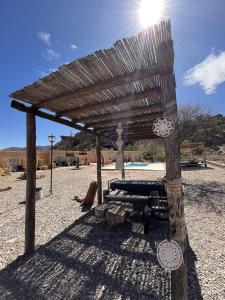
174	189
177	229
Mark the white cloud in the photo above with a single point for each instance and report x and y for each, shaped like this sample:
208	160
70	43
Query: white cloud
52	70
73	46
208	74
45	37
42	73
51	54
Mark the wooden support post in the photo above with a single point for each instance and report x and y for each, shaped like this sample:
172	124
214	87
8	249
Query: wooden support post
123	169
123	173
205	161
30	185
99	175
177	228
120	151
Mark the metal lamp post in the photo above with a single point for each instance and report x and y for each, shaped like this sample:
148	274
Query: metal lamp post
51	139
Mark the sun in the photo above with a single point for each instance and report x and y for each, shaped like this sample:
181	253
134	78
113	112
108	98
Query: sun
150	12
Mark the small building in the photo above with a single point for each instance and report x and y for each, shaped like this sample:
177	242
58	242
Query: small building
14	160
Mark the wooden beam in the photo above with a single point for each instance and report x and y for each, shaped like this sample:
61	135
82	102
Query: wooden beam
99	175
139	134
177	229
135	137
143	130
144	137
165	57
130	133
122	114
135	130
43	115
130	99
21	107
100	86
126	126
30	185
125	120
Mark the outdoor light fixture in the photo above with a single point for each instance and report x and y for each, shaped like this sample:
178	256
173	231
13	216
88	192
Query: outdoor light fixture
51	139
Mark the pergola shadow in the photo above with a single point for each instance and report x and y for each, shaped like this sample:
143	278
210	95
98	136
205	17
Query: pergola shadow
92	260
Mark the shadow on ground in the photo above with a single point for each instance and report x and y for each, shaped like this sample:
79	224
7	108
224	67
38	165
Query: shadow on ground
194	288
91	260
199	168
210	194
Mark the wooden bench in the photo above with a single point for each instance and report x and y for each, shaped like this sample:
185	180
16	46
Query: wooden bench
115	212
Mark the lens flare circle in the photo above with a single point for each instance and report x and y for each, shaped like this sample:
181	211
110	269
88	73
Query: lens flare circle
150	12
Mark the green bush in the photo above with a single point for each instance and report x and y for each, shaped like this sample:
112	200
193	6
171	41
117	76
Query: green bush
159	156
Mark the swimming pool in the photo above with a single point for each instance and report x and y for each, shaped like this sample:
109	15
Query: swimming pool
133	165
138	166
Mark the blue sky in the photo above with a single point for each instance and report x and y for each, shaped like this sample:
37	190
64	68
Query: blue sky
36	37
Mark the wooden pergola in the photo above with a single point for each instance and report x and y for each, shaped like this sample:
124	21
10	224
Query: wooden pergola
131	83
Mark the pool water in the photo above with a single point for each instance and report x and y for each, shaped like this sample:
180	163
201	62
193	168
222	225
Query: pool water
136	165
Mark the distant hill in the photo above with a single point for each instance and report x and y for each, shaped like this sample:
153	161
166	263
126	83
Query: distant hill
207	129
81	141
39	148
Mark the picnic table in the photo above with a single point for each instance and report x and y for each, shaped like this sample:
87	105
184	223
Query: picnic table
149	197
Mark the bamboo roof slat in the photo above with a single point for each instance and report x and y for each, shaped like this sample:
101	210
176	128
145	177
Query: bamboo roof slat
119	84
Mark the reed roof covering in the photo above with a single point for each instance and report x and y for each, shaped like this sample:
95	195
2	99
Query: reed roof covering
120	84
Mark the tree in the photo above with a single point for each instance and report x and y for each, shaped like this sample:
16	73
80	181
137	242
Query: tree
189	120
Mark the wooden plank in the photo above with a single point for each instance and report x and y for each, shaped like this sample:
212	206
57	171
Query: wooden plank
101	209
99	86
30	184
177	229
116	215
122	114
99	175
130	99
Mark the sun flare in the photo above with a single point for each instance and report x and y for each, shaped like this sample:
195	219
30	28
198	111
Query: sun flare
150	11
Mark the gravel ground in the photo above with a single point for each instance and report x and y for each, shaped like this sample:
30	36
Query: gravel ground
91	260
204	212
